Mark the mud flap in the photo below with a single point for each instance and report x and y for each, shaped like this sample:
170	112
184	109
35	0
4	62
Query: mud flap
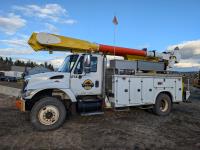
186	97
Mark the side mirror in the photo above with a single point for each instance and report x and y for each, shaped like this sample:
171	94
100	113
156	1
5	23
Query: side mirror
87	63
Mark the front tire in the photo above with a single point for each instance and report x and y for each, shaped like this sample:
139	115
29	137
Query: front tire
48	113
163	105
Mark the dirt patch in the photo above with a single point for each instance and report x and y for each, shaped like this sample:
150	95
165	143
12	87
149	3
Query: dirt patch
136	129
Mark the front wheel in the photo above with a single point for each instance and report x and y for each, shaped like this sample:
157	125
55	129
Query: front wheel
163	105
48	113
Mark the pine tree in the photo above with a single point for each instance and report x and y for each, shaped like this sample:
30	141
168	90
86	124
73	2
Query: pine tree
50	67
1	60
6	61
45	65
10	61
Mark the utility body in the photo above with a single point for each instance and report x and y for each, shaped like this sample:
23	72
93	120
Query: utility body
87	82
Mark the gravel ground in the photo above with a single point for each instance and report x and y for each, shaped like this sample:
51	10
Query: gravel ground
136	129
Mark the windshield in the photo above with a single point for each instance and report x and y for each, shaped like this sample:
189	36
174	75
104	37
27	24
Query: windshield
68	63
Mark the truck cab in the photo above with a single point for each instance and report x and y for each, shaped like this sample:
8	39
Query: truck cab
74	74
78	79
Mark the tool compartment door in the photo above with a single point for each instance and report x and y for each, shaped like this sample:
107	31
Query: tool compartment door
179	90
148	91
122	90
135	90
163	82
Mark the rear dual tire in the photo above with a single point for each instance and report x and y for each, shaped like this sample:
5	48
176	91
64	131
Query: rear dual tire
163	105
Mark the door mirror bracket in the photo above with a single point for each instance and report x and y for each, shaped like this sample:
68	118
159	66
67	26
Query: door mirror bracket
87	63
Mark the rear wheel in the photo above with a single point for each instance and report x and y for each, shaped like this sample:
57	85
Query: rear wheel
163	105
48	113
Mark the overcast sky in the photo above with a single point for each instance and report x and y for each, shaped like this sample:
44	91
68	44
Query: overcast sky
154	24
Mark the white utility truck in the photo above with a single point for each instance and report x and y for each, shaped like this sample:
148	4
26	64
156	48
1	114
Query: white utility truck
86	85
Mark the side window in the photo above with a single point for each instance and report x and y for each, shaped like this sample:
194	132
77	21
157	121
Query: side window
93	64
79	66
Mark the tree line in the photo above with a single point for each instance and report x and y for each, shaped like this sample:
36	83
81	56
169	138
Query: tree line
6	63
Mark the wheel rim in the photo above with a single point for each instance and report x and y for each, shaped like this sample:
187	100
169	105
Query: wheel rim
164	105
48	115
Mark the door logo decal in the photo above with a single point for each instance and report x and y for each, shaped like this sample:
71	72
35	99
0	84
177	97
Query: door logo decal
87	84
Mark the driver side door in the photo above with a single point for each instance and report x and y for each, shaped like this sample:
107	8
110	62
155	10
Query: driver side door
87	83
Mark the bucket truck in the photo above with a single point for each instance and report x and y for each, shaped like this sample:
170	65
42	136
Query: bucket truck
86	85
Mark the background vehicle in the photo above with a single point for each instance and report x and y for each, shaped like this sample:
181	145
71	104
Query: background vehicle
10	76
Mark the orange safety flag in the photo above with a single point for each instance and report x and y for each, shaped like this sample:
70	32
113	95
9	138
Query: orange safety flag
115	21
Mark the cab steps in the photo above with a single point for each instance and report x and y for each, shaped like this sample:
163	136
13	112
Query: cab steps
92	113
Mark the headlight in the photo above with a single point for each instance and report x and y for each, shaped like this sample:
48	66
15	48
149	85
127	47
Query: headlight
28	93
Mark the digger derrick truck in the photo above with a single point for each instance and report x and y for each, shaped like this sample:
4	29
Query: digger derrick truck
87	85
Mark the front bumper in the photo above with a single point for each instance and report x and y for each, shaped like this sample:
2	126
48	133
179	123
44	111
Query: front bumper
20	104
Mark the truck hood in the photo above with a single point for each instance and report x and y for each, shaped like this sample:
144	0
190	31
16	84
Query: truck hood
48	80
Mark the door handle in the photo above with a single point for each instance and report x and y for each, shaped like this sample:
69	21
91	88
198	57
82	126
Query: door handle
125	90
96	84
